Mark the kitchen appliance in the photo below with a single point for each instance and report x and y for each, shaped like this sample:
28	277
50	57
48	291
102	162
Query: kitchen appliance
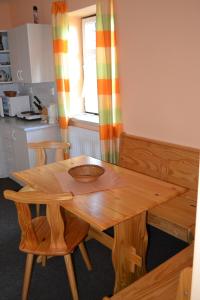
11	106
29	116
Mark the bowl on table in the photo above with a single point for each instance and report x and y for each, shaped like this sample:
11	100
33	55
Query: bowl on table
86	173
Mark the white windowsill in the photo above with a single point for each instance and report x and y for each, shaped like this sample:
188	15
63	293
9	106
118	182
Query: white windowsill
85	120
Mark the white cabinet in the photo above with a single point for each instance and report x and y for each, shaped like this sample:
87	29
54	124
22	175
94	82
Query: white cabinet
14	152
5	66
7	161
3	167
24	157
31	53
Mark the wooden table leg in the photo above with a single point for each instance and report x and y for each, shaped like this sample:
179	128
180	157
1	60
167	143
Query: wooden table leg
129	251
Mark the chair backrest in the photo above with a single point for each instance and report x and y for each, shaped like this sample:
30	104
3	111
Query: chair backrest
61	150
169	162
31	238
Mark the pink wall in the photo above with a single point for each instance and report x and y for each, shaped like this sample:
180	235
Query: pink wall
159	54
159	57
21	11
5	19
78	4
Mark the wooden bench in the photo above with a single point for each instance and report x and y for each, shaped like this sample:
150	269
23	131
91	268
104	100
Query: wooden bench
172	163
161	283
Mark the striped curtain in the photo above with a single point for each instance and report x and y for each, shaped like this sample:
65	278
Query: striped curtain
108	82
60	47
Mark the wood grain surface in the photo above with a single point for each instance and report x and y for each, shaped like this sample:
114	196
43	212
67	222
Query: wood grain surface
161	283
165	161
123	207
171	163
55	234
106	208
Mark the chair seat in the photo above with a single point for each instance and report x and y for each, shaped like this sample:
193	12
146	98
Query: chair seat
75	232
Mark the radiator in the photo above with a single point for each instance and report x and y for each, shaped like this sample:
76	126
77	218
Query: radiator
84	142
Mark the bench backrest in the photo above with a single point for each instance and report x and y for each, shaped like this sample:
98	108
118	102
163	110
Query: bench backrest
169	162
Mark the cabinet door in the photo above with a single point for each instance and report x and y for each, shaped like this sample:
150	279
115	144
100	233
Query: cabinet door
19	140
41	52
31	53
7	157
3	164
19	54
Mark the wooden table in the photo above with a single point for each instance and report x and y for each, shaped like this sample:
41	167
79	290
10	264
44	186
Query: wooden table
123	208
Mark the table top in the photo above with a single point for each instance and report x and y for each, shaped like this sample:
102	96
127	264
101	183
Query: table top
103	209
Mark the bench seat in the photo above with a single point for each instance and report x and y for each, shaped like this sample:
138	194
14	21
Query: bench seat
160	283
176	216
171	163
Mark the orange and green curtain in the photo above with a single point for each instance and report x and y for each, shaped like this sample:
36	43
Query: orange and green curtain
60	28
110	116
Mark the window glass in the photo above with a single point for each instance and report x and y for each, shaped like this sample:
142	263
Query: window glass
89	65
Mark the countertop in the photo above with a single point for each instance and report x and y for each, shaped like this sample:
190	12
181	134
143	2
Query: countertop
24	125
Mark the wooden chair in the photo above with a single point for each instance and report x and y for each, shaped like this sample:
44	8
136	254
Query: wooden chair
61	150
53	234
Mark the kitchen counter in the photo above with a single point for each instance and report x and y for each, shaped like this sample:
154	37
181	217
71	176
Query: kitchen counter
25	125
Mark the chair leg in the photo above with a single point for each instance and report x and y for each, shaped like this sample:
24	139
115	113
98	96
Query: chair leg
71	276
27	276
37	210
44	260
85	256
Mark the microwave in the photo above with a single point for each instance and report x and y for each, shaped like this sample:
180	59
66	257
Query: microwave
11	106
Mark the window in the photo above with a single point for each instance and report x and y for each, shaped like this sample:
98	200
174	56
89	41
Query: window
89	65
